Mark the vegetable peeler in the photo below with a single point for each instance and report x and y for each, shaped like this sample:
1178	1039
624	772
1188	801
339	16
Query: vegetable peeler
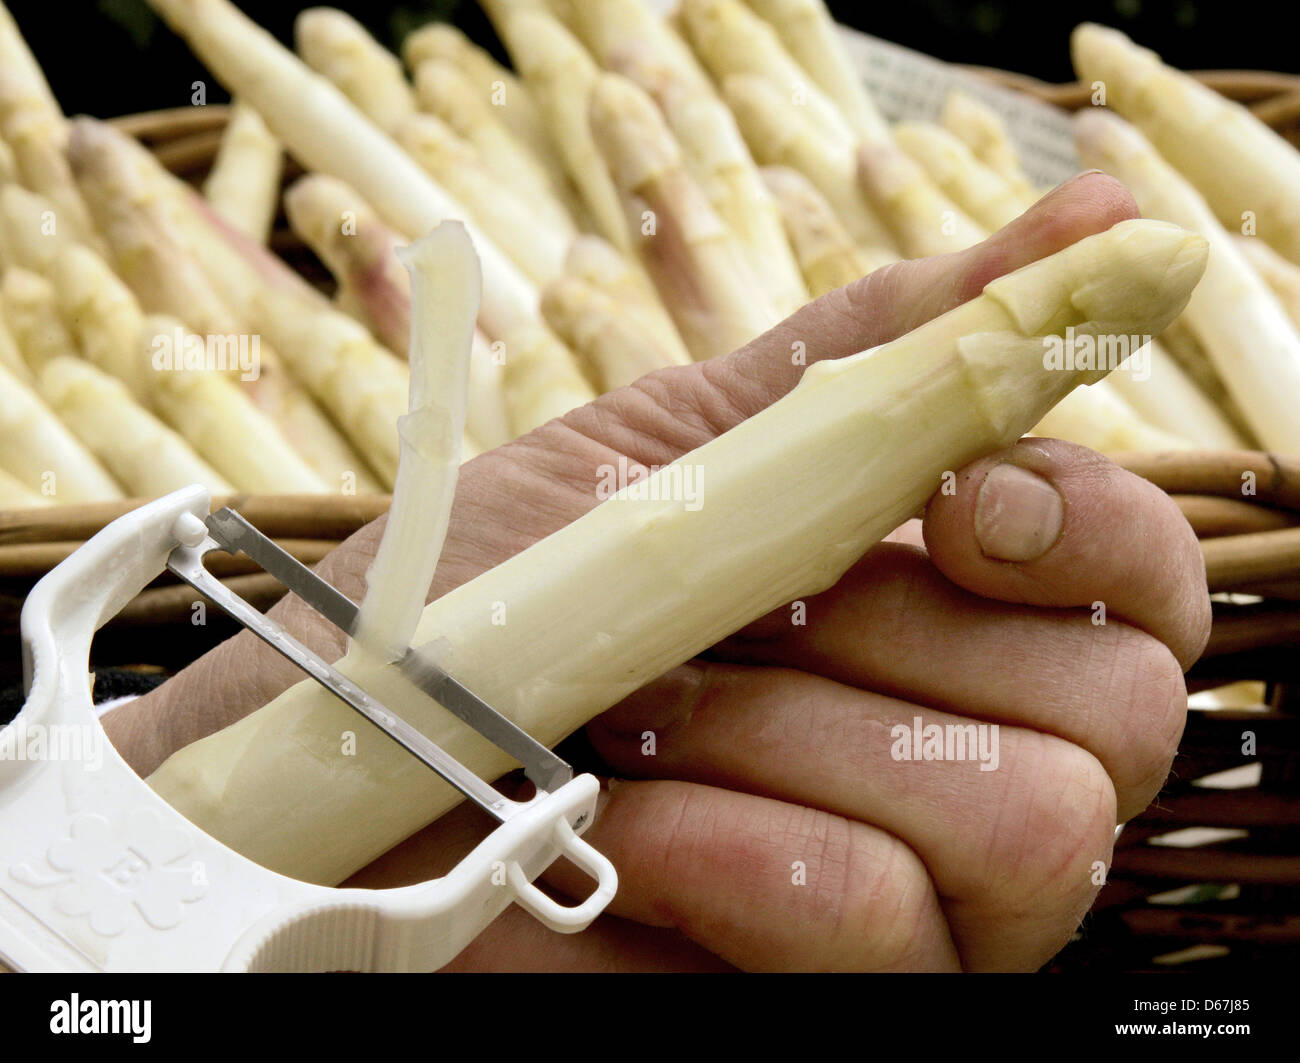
99	873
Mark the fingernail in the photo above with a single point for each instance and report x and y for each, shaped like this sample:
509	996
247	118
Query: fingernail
1018	514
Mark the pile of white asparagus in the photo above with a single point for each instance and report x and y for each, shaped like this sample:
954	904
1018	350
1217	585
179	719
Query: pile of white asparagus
641	191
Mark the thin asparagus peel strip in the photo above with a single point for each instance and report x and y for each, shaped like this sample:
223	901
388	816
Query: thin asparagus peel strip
445	288
325	131
1245	171
1244	330
143	454
244	184
692	257
790	499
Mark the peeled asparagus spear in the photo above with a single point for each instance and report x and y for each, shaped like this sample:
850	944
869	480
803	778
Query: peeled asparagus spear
336	45
325	131
693	258
143	454
244	184
1243	168
982	130
37	449
791	498
1244	330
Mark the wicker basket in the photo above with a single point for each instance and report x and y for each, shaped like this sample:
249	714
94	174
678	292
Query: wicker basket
1233	903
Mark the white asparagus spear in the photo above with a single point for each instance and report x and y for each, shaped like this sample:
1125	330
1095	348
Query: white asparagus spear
542	379
103	315
561	76
30	227
443	89
779	134
143	454
790	498
11	357
39	450
693	259
1245	331
810	35
337	46
826	252
978	189
244	183
982	130
325	131
1280	274
602	265
1165	397
535	246
1245	170
14	494
32	313
221	422
500	87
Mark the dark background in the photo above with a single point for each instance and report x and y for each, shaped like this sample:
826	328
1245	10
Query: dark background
110	57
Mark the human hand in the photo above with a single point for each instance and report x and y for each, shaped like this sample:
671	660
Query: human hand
775	751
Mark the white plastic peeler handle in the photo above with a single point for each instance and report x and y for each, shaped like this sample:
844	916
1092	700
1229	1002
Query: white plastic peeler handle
97	872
